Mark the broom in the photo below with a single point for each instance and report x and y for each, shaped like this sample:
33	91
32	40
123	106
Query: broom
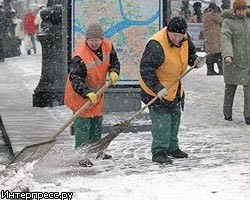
100	146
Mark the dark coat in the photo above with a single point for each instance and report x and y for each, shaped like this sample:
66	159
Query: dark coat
2	22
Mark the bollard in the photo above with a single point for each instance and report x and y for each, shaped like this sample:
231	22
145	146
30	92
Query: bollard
50	89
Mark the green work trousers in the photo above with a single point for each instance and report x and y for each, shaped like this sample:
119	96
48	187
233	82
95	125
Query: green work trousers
165	129
86	130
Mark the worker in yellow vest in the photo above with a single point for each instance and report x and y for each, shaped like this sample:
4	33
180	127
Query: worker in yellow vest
165	59
92	61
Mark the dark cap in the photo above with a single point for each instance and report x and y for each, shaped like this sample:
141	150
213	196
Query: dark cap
197	5
212	6
94	31
177	25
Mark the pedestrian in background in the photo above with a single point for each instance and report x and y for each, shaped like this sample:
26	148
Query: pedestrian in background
2	28
30	29
18	33
18	30
225	5
38	20
164	60
235	40
212	22
184	10
92	61
197	13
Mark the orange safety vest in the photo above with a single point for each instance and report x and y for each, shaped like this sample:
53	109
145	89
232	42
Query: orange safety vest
174	65
96	77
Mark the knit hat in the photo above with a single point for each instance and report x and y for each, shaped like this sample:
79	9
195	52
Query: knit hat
197	5
212	6
94	31
177	25
238	4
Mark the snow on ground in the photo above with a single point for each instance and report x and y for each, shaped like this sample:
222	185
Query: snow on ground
225	182
217	168
220	183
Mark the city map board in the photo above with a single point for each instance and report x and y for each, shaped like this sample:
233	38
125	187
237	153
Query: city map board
128	23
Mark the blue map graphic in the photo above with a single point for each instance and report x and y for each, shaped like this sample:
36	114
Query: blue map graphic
128	23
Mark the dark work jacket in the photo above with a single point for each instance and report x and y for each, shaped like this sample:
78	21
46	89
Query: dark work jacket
78	71
153	57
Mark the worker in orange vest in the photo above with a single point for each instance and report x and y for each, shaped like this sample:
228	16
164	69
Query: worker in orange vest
92	61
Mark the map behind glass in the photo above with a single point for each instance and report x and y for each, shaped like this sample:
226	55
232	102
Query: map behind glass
128	23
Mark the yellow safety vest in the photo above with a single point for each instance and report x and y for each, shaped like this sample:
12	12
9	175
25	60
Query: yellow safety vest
174	65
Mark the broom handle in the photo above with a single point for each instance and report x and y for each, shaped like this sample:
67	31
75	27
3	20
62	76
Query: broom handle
156	97
77	113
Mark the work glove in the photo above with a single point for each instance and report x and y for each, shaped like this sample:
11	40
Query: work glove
199	62
92	97
162	93
113	76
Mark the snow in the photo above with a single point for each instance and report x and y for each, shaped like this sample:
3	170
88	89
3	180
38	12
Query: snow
194	184
217	168
16	180
226	182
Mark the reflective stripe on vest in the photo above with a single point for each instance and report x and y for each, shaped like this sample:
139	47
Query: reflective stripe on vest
97	61
96	77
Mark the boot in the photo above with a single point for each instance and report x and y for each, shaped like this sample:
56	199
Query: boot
247	121
210	70
29	52
103	156
72	130
218	60
161	157
228	118
86	163
219	63
178	154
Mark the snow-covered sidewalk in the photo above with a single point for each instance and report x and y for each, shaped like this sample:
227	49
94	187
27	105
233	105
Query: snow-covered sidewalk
218	166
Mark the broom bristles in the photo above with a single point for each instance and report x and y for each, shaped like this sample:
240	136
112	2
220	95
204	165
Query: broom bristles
101	145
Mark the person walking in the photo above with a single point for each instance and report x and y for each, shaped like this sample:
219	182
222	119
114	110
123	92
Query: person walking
212	22
2	28
164	60
18	33
30	29
93	60
197	13
38	20
235	39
